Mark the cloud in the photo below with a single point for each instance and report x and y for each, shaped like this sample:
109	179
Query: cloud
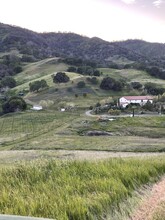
128	1
157	3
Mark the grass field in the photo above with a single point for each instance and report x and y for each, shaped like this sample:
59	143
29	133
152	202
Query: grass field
75	190
68	130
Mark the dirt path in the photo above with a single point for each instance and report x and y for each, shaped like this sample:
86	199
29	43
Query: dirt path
150	202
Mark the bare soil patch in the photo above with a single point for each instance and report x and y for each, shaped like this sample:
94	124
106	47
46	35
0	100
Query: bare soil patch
150	202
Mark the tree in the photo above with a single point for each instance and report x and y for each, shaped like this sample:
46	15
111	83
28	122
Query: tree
111	84
60	77
153	89
37	85
71	69
136	85
8	81
92	80
14	104
81	84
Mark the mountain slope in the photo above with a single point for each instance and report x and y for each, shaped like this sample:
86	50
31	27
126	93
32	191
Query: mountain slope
44	45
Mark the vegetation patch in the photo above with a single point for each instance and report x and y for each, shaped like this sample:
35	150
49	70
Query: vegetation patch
74	190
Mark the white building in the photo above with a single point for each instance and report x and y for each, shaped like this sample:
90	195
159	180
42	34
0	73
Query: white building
37	107
141	100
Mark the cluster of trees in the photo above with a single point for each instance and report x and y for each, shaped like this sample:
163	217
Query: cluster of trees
37	85
79	62
156	72
84	70
14	104
109	83
8	81
136	85
93	80
154	89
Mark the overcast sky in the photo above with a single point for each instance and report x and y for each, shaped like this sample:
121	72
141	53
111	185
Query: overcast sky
111	20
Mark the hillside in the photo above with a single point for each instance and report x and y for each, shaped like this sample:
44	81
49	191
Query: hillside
44	45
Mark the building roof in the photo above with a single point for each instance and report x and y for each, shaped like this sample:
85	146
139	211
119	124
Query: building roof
138	97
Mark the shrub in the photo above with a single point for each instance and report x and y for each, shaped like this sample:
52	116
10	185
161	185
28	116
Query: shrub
114	112
81	84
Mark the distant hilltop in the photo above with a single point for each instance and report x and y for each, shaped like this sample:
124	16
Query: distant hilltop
43	45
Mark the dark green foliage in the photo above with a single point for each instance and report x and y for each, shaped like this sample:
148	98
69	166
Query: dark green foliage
8	81
14	104
96	73
136	85
156	72
5	70
37	85
18	69
28	58
92	80
71	69
153	89
111	84
81	84
61	77
87	70
113	66
148	106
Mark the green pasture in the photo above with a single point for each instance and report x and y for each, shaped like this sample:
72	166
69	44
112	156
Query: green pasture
49	130
76	190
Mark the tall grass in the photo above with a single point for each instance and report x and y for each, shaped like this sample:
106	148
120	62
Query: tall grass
74	190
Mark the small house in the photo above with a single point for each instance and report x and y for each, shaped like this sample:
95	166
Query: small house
141	100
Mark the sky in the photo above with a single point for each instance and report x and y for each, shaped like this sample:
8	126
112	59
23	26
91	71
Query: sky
111	20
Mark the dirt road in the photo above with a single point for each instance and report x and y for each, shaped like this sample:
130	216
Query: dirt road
150	202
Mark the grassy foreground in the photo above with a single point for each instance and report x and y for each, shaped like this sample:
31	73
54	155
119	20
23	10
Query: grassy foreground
74	190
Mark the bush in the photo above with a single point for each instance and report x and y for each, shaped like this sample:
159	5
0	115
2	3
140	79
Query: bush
92	80
81	84
61	77
37	85
114	112
136	85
